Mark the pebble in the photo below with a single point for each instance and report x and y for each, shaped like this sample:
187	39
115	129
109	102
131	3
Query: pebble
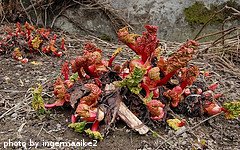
59	126
181	130
19	66
59	138
7	79
14	115
184	135
184	143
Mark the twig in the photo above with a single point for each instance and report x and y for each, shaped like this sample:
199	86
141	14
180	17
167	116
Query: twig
158	135
49	133
209	20
189	129
12	91
33	5
28	97
41	129
45	17
29	18
217	40
35	11
237	11
20	130
229	18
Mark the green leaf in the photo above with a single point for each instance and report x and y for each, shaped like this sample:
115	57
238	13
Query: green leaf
132	80
94	134
149	98
232	109
37	100
74	77
78	127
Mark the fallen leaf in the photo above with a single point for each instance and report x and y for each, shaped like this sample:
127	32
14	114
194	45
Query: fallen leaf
176	124
36	63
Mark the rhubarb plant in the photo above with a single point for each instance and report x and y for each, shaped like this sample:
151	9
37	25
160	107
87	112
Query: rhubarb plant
29	39
148	77
37	100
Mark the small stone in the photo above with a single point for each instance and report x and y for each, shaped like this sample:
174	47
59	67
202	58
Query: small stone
184	135
181	130
184	143
59	138
7	79
19	66
59	126
14	115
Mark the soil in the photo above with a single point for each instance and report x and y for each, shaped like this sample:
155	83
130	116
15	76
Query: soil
20	123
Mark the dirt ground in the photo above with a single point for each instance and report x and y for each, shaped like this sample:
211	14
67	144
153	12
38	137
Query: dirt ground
21	125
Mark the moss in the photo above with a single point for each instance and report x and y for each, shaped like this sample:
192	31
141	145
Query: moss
198	13
106	37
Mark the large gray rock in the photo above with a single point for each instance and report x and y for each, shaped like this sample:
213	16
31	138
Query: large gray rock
167	14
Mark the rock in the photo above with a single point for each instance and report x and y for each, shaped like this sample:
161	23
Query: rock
59	126
14	115
184	135
7	79
184	143
19	66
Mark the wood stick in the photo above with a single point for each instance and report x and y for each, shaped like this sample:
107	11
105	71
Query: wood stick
131	120
29	18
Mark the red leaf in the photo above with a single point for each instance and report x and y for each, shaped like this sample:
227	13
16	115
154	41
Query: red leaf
65	70
143	45
155	108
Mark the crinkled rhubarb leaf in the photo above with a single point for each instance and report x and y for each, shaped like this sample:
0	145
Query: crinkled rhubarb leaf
44	32
60	92
94	134
178	59
174	95
155	108
144	45
28	26
132	80
36	42
188	76
74	77
94	95
17	54
65	70
37	101
78	127
232	109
